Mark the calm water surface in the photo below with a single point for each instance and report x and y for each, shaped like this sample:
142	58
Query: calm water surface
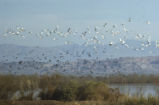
137	89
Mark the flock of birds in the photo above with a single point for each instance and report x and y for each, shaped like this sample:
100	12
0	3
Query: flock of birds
97	35
107	34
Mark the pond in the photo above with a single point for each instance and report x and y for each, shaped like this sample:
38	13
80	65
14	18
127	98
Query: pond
137	89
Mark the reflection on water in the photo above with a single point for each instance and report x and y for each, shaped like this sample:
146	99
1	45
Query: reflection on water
137	89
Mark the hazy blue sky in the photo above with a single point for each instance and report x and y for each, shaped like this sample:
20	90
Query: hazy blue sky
38	14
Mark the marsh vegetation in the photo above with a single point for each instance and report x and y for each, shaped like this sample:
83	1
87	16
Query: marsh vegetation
71	90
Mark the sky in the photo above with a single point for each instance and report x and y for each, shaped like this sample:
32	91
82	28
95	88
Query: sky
38	14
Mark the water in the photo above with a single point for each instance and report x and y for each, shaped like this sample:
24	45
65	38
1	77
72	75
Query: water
137	89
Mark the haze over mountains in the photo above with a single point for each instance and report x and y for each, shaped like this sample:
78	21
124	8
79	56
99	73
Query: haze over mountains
9	52
78	59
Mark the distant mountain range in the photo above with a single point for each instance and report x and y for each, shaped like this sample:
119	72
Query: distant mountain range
78	59
11	53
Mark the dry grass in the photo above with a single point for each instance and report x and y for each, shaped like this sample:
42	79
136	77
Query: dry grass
124	101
